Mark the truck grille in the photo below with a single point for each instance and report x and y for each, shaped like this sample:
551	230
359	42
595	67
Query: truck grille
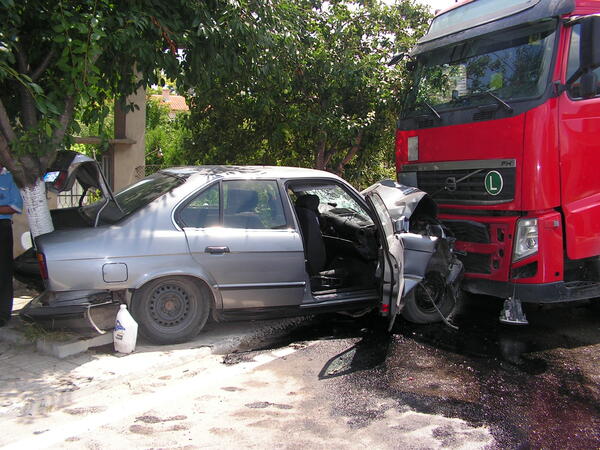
445	186
476	263
468	231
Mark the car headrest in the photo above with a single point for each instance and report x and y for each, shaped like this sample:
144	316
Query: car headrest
241	200
308	201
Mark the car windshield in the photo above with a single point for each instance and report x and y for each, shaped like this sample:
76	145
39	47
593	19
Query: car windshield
509	65
132	198
336	201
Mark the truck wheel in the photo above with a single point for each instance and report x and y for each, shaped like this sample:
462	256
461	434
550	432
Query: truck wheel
170	310
418	306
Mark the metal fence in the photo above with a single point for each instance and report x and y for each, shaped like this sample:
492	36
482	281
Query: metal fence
149	169
71	198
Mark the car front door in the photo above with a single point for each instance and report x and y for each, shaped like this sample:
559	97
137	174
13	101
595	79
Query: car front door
238	232
405	254
392	260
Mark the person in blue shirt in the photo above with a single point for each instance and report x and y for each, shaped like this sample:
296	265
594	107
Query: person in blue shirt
10	203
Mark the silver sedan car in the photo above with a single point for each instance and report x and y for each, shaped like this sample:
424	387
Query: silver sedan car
247	243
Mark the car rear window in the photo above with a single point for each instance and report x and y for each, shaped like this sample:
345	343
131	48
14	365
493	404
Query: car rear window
133	198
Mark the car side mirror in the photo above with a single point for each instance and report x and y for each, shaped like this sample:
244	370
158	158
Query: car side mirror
402	225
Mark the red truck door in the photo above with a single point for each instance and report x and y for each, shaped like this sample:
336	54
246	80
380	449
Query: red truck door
579	130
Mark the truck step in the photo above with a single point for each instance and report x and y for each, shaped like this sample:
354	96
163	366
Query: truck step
582	289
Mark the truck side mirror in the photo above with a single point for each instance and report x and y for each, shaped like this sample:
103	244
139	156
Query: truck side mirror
588	84
589	55
589	50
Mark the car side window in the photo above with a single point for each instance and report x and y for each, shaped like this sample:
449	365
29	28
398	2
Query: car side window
203	210
573	64
252	204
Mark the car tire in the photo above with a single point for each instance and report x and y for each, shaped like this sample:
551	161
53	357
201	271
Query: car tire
418	307
171	310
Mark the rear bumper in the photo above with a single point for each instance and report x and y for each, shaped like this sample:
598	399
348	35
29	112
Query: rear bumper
96	311
557	292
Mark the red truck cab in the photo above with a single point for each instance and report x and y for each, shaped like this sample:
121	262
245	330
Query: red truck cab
502	129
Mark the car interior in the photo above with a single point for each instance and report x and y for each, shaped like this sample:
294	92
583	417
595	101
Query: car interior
340	239
241	210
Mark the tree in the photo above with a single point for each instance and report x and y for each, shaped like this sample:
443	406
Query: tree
322	96
165	136
59	56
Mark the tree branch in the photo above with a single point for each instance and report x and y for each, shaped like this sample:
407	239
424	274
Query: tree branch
28	108
27	102
43	66
22	60
60	130
5	126
328	156
7	161
351	153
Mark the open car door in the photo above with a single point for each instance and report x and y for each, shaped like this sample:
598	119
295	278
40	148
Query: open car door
69	166
405	255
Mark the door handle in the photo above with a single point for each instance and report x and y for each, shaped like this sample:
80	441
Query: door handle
216	250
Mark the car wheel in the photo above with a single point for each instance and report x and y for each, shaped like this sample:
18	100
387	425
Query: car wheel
418	304
171	310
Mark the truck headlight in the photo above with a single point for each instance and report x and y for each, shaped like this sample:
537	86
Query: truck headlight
526	241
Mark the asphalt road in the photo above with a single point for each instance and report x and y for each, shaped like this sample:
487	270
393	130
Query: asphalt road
536	386
341	382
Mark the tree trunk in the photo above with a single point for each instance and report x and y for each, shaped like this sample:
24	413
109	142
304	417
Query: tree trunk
35	205
320	153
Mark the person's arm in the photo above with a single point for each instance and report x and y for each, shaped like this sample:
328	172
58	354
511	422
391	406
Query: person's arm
8	210
15	202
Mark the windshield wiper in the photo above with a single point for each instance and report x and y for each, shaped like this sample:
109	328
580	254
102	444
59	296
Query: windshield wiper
433	110
499	100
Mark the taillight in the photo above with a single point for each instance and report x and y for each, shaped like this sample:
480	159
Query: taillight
42	264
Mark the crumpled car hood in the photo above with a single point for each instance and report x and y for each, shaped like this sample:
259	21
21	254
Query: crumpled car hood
403	201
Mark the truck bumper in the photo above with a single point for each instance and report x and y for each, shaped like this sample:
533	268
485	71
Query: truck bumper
556	292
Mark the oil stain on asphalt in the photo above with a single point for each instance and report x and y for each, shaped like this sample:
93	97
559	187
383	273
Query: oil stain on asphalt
536	386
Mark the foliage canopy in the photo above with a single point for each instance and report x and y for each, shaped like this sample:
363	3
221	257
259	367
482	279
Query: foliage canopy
321	96
59	55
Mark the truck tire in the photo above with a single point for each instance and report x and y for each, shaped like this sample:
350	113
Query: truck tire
418	306
170	310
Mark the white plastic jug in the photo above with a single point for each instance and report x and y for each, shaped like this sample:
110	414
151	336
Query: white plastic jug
125	332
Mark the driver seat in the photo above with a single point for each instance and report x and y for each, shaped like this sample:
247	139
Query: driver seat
307	210
307	207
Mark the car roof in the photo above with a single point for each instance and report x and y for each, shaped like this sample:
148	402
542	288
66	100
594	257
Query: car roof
270	172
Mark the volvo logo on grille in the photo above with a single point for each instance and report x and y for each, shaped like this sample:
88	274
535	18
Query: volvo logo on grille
450	184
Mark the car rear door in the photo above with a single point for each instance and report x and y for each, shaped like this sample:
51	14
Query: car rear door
238	232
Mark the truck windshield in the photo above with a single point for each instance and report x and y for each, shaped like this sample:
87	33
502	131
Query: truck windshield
511	64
